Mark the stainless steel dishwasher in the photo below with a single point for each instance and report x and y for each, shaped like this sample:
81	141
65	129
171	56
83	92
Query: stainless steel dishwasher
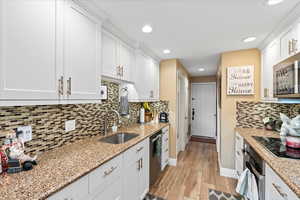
155	156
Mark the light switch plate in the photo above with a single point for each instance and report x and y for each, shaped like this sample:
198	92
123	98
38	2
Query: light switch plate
70	125
26	133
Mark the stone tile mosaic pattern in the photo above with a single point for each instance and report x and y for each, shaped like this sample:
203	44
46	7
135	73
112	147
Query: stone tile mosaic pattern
47	121
251	114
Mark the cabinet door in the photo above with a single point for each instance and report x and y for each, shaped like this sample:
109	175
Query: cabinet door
126	61
144	171
27	35
156	81
81	53
142	77
286	43
113	192
109	56
270	57
131	180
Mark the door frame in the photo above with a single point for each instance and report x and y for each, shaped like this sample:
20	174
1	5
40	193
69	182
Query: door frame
207	83
182	134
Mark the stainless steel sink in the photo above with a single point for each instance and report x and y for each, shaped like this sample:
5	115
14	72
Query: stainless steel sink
119	138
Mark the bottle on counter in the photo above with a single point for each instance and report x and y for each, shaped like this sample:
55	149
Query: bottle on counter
142	115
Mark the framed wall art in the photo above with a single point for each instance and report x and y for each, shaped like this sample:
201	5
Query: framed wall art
240	80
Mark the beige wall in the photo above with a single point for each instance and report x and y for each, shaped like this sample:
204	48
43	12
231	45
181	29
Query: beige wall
228	103
203	79
168	91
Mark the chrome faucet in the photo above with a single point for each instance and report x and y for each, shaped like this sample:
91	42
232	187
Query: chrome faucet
106	120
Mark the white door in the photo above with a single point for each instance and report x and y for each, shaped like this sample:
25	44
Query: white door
82	39
204	110
110	66
28	49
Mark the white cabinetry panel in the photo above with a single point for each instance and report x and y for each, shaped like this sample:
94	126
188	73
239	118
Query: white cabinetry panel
81	53
28	50
109	56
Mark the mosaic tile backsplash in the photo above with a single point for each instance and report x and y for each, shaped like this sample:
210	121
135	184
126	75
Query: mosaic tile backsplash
251	114
48	121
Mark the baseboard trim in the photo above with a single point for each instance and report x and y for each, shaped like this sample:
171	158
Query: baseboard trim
230	173
172	162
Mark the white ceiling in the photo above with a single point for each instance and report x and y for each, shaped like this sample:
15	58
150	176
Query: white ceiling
196	31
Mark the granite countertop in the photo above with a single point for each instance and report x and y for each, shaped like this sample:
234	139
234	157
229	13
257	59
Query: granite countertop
62	166
287	169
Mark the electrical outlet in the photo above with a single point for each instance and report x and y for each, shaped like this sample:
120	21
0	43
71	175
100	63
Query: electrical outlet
26	133
70	125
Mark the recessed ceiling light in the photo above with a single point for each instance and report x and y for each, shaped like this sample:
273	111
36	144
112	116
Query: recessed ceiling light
167	51
274	2
147	29
201	69
249	39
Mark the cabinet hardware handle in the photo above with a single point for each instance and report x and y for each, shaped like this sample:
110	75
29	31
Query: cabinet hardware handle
278	189
294	45
108	172
238	138
141	163
61	86
238	153
290	47
122	71
69	81
139	149
166	150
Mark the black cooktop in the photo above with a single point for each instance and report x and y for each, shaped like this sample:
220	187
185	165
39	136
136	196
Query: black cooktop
278	148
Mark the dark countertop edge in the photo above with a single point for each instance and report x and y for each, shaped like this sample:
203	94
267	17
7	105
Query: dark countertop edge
263	151
60	188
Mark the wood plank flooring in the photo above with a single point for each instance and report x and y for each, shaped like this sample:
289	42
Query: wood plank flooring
197	170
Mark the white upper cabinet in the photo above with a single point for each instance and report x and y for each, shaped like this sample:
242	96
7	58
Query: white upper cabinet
50	52
118	58
126	62
289	43
270	56
110	66
82	43
27	36
146	79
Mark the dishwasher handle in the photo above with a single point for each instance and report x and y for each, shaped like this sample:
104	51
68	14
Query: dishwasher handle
155	139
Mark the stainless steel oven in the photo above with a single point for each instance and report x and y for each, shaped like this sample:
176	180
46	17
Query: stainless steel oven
257	167
286	77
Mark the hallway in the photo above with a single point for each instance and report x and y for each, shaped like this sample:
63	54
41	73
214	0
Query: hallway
197	171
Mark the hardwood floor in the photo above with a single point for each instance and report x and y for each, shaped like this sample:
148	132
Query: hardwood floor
197	171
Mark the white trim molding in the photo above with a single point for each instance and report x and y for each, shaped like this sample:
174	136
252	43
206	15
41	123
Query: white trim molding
230	173
172	162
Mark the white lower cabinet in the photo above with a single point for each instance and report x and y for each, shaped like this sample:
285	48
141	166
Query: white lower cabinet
125	177
78	190
136	167
239	155
276	189
165	148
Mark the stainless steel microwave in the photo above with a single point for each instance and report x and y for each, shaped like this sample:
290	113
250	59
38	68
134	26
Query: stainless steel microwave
286	80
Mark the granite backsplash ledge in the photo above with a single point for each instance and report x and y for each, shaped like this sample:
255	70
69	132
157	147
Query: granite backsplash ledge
250	114
48	121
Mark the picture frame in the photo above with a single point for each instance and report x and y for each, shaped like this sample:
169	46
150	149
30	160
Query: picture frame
240	80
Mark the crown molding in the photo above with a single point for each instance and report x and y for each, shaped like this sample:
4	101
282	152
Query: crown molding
288	21
109	25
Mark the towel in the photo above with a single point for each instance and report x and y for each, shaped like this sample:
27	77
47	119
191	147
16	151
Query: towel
247	185
124	105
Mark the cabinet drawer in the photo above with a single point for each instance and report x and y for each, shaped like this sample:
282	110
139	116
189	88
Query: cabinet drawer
103	176
275	183
113	192
135	151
